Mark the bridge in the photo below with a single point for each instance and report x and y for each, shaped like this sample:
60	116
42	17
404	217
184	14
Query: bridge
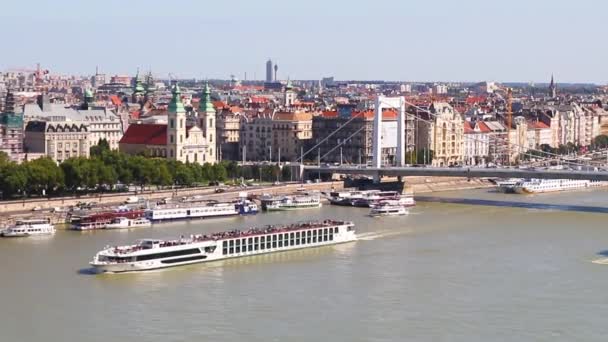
473	172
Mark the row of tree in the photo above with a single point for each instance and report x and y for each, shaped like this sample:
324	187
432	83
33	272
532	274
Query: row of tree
107	170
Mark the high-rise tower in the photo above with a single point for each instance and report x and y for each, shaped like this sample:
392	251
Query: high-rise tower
176	127
269	70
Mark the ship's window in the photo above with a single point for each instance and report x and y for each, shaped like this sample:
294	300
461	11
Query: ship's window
256	239
324	237
336	230
249	241
231	250
238	242
308	236
297	238
268	243
243	242
325	231
280	243
231	243
262	243
262	239
274	241
249	248
238	249
314	238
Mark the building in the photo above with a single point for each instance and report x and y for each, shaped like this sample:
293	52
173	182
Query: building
269	71
101	123
444	134
176	140
228	133
58	140
265	136
11	129
476	143
289	97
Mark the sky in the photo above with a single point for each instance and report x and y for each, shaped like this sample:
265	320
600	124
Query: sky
395	40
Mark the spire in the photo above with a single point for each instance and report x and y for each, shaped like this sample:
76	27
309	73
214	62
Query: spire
552	88
289	86
138	88
206	105
176	105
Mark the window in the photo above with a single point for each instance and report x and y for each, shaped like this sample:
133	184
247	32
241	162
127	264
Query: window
171	138
297	238
224	248
262	242
172	123
274	241
181	123
291	239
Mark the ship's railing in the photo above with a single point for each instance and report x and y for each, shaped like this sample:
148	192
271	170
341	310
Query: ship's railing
270	229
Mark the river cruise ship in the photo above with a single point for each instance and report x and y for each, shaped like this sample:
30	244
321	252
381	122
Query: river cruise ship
127	223
532	186
291	203
25	228
151	254
201	211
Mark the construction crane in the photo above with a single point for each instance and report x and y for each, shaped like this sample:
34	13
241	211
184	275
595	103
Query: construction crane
509	121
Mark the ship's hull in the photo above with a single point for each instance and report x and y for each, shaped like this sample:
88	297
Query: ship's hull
150	265
287	208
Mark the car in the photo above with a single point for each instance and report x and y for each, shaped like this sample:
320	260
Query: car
219	190
37	208
276	183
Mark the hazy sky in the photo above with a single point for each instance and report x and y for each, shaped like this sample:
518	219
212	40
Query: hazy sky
410	40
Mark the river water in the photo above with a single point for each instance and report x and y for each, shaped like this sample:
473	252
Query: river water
446	272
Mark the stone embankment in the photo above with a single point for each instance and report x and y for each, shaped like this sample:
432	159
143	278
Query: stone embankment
419	185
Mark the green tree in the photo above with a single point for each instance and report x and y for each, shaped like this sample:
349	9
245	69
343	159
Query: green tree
43	174
183	175
220	173
13	179
100	149
286	173
601	141
163	178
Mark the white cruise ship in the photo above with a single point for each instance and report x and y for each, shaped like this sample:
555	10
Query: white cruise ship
153	254
292	203
388	208
24	228
198	211
531	186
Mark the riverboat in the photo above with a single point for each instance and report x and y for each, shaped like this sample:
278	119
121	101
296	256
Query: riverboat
101	220
25	228
388	208
292	203
127	223
148	254
531	186
201	211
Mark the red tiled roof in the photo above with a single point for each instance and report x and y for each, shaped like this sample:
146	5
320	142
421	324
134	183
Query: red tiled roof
219	104
330	114
467	127
115	100
539	124
145	134
483	127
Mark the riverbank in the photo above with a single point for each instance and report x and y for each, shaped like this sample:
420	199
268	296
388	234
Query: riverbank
420	185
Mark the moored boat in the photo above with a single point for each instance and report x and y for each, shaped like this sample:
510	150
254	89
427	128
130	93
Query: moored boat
100	220
200	211
127	223
531	186
150	254
25	228
292	203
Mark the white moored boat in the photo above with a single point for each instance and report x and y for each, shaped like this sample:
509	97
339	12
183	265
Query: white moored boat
552	185
153	254
388	208
199	211
293	203
23	228
127	223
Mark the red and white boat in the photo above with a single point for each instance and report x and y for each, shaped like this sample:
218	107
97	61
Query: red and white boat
100	220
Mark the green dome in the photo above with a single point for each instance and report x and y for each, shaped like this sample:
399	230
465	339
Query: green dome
176	105
88	94
206	105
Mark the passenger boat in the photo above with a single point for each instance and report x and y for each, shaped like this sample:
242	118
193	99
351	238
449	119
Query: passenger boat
344	197
100	220
24	228
292	203
507	185
127	223
151	254
531	186
200	211
375	196
388	208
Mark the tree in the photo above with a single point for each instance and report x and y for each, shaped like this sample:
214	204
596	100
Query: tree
183	175
601	141
43	174
101	148
163	178
219	171
13	179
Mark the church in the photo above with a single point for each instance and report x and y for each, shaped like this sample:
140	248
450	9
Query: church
182	138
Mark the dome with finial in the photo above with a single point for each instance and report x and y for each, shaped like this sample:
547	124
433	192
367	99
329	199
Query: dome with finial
88	94
205	104
289	86
139	87
176	105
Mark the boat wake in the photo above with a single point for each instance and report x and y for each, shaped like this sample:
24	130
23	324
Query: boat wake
602	261
382	234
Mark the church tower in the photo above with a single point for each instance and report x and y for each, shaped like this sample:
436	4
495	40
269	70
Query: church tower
138	90
176	126
206	117
290	95
552	89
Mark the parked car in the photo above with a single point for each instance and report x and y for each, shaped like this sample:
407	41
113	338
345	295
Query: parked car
219	190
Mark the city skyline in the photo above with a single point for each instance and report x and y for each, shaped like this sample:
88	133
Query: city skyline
443	41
